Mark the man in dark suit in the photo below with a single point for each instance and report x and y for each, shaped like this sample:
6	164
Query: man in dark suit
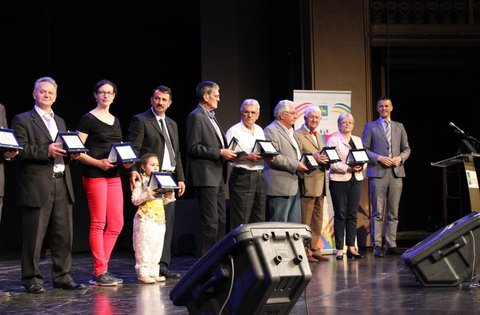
147	136
7	155
45	191
386	143
206	164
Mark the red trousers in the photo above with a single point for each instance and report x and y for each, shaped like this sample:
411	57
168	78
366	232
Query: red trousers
105	201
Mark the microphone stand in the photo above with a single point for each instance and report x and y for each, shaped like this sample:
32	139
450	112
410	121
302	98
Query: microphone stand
469	138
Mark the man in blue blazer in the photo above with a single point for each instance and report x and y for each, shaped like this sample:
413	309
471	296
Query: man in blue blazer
207	154
386	143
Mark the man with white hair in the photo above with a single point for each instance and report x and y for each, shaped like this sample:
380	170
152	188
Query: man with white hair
246	183
281	173
314	182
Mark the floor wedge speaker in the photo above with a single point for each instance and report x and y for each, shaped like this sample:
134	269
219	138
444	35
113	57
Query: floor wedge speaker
257	268
447	257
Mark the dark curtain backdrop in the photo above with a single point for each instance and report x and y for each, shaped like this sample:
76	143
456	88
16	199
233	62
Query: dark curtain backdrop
137	46
79	43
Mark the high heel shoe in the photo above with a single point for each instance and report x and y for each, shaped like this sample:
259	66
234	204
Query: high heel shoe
353	256
339	257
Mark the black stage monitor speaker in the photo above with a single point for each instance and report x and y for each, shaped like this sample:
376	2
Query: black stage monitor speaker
258	268
447	257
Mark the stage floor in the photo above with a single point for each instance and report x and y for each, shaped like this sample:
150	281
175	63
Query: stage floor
367	286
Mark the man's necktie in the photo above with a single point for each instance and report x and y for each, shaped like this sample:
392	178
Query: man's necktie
58	165
51	126
171	153
388	133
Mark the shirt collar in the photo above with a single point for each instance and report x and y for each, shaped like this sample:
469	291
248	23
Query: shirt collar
305	128
157	116
210	113
41	112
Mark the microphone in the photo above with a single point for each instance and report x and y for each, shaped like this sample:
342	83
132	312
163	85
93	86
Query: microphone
451	124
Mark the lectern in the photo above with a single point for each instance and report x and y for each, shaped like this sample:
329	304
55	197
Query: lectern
463	167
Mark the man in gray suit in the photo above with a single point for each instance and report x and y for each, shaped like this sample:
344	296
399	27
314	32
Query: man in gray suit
206	165
386	143
281	172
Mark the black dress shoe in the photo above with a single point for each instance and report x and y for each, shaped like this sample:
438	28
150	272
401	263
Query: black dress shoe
393	251
36	288
69	286
169	274
378	252
339	257
353	256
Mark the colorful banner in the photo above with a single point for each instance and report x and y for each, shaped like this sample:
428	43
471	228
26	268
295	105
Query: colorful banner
331	104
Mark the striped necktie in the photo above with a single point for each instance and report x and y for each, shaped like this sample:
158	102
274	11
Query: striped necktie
388	133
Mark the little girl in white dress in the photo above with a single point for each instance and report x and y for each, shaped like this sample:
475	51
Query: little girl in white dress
149	223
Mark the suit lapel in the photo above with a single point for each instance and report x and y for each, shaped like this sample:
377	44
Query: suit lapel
394	133
153	121
213	128
309	138
284	134
320	144
38	121
60	125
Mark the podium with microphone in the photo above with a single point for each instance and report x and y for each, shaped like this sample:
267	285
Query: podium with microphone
459	178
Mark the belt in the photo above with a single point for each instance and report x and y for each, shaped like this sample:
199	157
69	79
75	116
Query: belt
242	171
57	175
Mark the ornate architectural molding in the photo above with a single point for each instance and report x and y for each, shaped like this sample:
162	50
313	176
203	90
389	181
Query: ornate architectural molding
424	22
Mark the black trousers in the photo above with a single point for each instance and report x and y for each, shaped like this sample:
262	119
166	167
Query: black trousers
247	197
169	225
345	200
212	216
54	222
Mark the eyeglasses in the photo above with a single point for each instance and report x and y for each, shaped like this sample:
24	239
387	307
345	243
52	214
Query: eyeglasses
107	93
291	113
346	123
247	112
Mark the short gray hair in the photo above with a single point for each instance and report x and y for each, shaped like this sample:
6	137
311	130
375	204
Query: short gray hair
206	87
44	79
311	108
249	101
281	107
